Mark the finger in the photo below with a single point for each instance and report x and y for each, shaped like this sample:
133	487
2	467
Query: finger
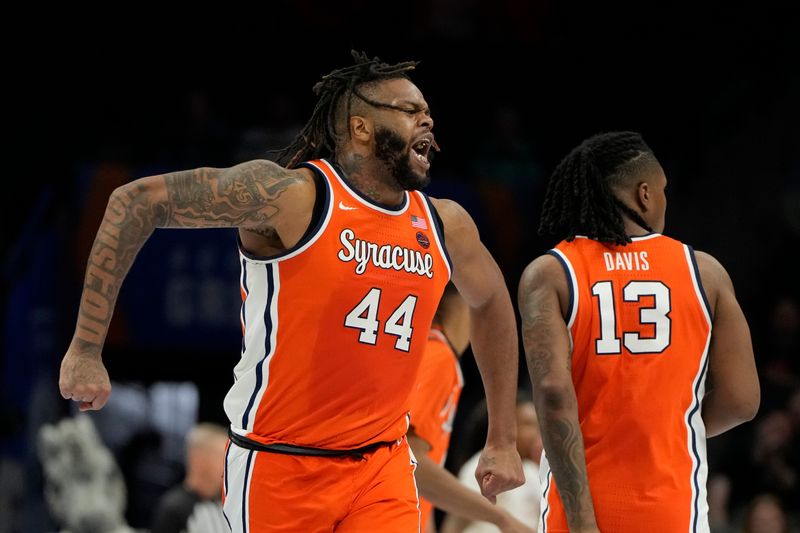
101	400
488	488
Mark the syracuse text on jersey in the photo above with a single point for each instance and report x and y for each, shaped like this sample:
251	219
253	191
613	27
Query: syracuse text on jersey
386	256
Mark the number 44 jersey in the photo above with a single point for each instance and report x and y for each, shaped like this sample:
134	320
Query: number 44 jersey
334	328
640	328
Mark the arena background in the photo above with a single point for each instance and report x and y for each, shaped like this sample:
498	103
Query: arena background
110	96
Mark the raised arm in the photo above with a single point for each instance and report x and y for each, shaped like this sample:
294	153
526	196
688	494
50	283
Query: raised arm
733	393
493	335
543	297
257	195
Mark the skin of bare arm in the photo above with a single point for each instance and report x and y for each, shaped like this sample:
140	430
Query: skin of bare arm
447	493
258	196
493	336
733	394
543	295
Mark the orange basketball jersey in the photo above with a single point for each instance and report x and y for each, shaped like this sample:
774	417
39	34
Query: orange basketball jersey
334	328
640	328
434	402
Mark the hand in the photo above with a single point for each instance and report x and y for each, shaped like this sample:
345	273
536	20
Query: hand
499	470
84	379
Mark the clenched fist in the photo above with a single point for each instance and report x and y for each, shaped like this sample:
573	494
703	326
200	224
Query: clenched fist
84	379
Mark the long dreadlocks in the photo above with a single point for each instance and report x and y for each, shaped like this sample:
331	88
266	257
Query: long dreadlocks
318	136
580	199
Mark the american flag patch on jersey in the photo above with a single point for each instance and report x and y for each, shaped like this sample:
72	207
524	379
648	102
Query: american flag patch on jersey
417	222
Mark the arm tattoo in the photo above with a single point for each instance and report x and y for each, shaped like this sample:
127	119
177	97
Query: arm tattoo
561	432
562	438
242	196
537	336
129	220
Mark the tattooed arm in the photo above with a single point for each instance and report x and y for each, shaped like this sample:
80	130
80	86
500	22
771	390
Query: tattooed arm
259	196
543	297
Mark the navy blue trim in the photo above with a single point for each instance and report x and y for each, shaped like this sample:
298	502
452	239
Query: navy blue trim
244	492
643	236
267	344
323	214
363	196
225	479
700	282
694	444
546	500
225	471
247	293
569	283
438	228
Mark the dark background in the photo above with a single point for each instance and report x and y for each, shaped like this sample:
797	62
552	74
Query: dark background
96	99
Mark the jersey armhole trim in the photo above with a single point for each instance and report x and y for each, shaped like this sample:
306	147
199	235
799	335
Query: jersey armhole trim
698	282
325	199
572	310
438	231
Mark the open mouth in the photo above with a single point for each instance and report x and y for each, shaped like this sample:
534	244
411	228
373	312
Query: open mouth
422	150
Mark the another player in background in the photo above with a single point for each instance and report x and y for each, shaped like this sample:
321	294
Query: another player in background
622	326
433	408
522	503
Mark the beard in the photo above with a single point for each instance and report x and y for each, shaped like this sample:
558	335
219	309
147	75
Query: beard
394	152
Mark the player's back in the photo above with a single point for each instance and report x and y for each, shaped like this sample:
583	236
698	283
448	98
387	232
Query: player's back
640	328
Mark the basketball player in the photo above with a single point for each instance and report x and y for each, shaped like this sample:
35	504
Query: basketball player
433	408
343	264
622	326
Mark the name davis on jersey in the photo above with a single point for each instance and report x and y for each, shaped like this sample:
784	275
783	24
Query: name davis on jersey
386	256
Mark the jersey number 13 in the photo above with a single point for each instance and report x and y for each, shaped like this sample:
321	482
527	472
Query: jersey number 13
657	315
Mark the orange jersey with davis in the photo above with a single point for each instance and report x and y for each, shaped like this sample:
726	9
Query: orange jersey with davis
334	328
640	327
434	402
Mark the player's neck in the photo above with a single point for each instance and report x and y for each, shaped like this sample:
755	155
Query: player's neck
371	177
632	229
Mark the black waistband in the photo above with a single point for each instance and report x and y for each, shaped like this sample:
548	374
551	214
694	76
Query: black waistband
290	449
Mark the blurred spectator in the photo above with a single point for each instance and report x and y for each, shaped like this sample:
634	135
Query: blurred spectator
719	491
197	499
84	488
772	468
765	515
781	369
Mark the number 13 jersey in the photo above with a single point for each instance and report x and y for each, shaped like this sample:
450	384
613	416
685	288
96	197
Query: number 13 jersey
334	328
640	328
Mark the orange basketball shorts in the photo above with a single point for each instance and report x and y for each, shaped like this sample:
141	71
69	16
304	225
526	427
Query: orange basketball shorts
267	492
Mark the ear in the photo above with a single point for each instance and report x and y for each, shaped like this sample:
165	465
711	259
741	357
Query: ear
643	195
361	128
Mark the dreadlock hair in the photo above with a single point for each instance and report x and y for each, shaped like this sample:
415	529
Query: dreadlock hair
580	199
318	136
